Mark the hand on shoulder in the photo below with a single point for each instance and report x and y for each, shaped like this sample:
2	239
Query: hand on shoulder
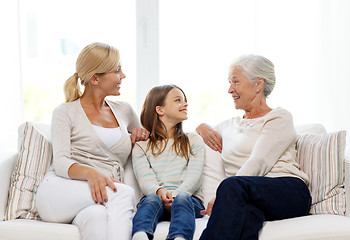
210	137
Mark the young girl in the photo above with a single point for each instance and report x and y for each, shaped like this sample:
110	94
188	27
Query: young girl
168	167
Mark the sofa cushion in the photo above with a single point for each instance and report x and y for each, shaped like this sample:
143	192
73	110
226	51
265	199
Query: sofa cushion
38	230
34	157
321	156
7	162
312	227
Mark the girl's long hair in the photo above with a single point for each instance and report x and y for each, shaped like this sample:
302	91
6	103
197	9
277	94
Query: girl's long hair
158	134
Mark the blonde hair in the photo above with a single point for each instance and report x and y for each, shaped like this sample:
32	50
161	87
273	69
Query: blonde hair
95	58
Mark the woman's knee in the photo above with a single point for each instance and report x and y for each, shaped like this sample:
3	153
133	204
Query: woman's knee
125	189
233	186
94	215
229	182
92	222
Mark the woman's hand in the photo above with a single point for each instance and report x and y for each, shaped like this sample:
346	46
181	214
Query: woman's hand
96	180
210	137
98	183
207	211
166	198
139	134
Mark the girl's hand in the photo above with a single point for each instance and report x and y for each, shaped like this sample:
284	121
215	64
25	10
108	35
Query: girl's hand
139	134
166	198
98	183
209	208
210	137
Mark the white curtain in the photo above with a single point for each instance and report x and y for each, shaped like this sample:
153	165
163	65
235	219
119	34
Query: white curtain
11	100
308	41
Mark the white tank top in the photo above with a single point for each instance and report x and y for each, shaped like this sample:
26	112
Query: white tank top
109	136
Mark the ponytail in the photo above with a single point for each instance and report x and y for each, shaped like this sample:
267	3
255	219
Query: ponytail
72	88
94	58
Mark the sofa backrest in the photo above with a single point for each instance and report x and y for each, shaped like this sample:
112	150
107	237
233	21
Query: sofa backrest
213	172
7	162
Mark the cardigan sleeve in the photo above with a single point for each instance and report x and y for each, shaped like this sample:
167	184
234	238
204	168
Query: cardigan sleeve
193	175
131	116
277	134
144	174
61	141
133	120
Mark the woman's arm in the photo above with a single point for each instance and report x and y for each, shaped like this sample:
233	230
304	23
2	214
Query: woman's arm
61	126
134	127
210	137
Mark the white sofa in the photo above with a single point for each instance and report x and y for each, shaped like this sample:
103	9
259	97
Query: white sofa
318	227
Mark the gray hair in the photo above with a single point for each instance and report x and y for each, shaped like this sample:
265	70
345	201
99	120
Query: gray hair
255	66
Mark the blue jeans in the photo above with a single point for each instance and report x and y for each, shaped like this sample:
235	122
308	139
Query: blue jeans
184	210
243	204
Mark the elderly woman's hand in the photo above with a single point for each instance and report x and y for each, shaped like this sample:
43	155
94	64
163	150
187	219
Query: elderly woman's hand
209	208
210	137
139	134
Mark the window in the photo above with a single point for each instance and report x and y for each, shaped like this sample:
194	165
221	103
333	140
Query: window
188	43
52	35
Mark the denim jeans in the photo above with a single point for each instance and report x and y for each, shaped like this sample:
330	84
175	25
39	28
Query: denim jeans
243	204
184	210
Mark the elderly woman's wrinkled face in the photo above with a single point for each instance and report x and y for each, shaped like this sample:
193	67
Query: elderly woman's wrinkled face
243	90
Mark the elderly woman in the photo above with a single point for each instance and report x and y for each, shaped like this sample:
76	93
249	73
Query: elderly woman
91	144
258	150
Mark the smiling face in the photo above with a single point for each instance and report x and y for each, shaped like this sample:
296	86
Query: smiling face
109	83
243	90
174	109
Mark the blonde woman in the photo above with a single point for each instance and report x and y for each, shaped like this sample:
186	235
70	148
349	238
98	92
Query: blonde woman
91	144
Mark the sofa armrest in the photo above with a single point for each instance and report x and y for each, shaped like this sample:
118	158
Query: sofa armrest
7	162
347	184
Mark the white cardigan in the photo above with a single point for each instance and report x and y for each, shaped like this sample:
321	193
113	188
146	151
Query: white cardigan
263	146
75	141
